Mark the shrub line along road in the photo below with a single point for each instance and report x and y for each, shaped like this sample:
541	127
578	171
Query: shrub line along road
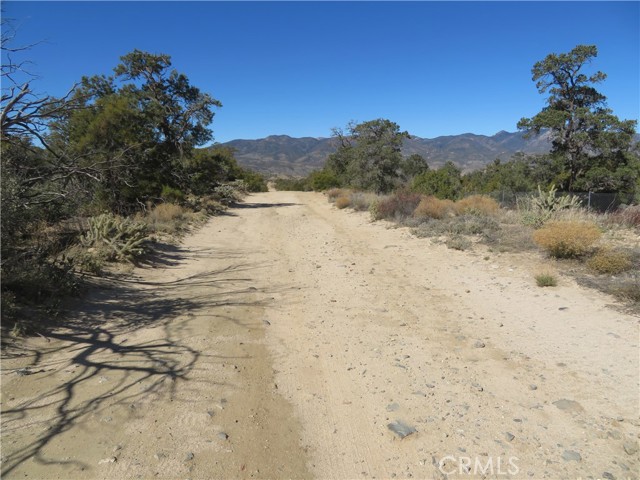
282	340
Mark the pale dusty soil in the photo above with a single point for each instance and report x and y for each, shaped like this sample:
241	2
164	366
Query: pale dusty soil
301	332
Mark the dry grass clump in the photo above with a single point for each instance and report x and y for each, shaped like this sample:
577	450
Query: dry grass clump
166	212
433	207
334	193
343	201
477	205
609	261
567	239
628	217
168	218
511	237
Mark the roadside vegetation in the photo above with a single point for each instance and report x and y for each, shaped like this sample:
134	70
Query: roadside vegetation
100	176
591	151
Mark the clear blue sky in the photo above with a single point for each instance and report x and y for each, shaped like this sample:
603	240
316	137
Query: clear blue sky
301	68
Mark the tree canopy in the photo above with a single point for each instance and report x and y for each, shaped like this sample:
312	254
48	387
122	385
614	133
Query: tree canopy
368	155
592	147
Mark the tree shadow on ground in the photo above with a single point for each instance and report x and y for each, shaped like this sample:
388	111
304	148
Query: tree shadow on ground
264	205
93	343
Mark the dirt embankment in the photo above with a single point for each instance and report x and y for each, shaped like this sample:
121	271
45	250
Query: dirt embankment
282	341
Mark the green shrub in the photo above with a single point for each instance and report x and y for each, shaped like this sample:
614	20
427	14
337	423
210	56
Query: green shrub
322	180
609	261
444	182
172	195
254	182
292	185
546	280
567	239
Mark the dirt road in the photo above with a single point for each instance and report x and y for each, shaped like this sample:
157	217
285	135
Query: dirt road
283	340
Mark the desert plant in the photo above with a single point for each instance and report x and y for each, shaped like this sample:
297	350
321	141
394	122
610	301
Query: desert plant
212	206
170	194
609	261
335	193
227	194
536	210
567	239
477	205
629	291
343	202
397	206
458	242
124	238
433	207
551	201
628	216
546	280
166	212
361	201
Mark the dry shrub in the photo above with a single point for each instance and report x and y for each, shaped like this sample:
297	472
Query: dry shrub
334	193
168	218
343	202
567	239
629	216
477	205
458	242
398	206
610	261
166	212
433	207
361	201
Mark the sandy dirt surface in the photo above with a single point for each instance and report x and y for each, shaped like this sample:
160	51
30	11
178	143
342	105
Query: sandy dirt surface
283	341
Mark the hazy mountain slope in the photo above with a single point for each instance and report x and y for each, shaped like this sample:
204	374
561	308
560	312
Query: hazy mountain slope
281	154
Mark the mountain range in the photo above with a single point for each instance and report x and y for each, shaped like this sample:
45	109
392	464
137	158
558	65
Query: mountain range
285	155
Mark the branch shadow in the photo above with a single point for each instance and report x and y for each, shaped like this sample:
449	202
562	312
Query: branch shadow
91	344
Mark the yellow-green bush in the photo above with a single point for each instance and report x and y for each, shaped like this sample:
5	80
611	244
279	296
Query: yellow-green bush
477	205
546	279
609	261
567	239
433	207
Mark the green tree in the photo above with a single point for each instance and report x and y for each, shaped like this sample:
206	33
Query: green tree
138	131
587	139
516	175
444	182
368	155
413	165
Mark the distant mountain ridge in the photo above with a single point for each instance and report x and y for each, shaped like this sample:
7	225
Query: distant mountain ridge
285	155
